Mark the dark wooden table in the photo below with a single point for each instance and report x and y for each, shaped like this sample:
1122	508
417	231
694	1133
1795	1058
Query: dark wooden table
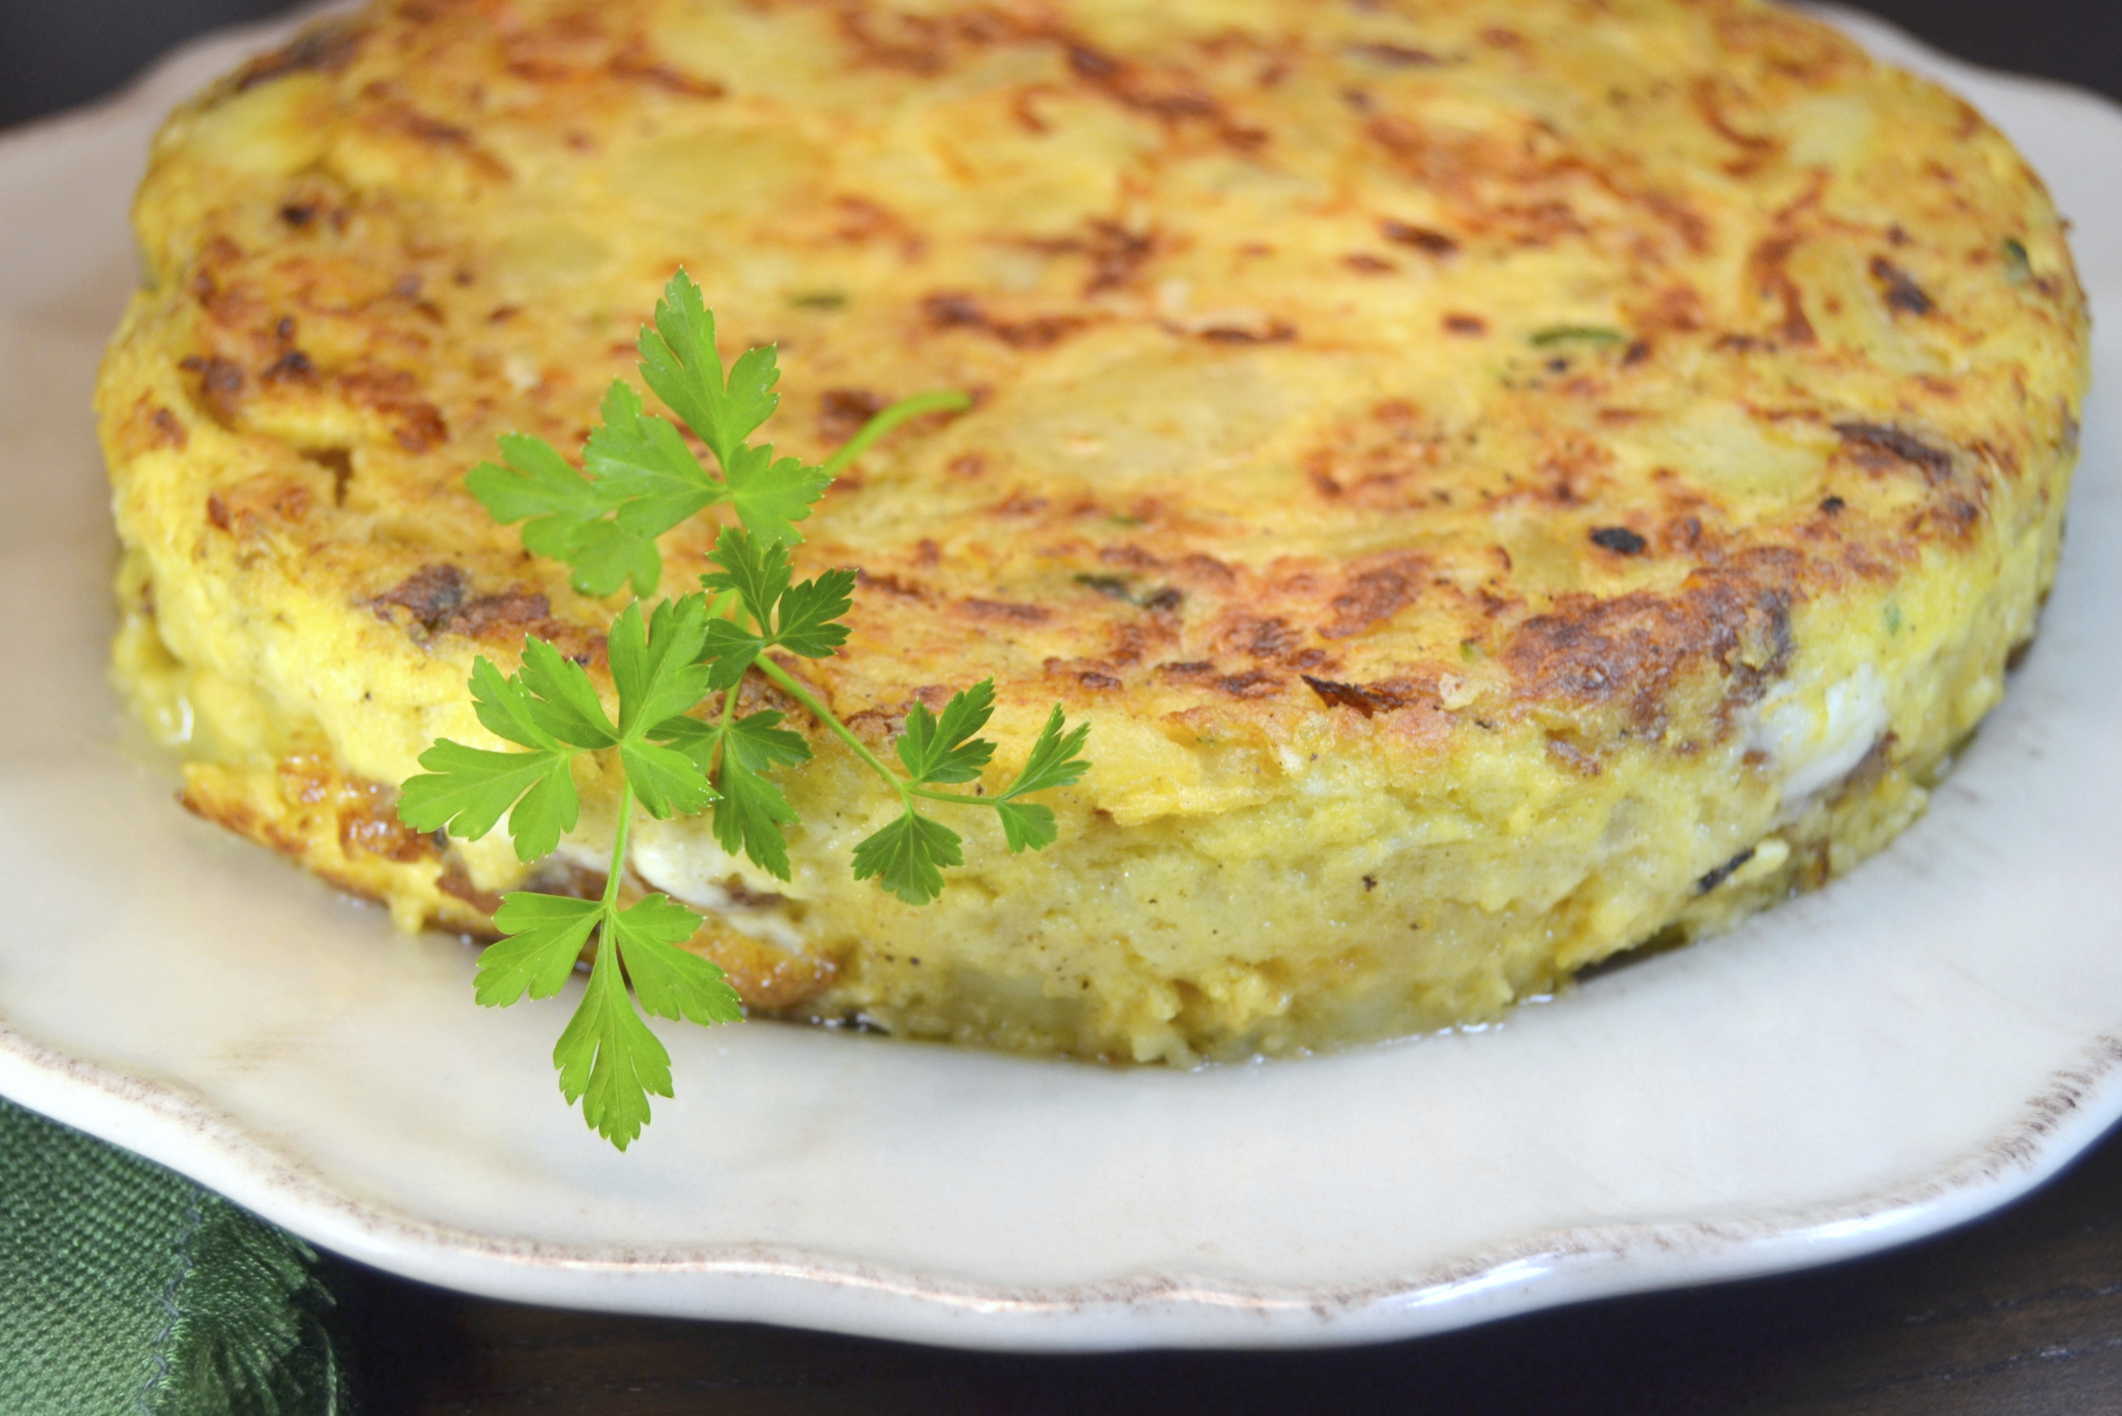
2020	1314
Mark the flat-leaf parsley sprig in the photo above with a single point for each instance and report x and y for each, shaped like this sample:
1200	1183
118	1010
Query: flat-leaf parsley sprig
639	479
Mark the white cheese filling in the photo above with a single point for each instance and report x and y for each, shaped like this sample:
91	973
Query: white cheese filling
685	862
1813	745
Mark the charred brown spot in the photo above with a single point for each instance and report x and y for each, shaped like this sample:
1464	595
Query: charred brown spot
1937	463
957	310
425	128
1134	557
292	367
1768	264
1200	568
1263	638
1395	56
373	828
1421	238
1365	700
1094	674
1877	761
1901	291
217	512
1117	255
1374	595
1755	150
636	62
1712	879
1832	506
439	599
1258	683
1173	97
1005	611
456	883
765	977
1274	332
221	384
843	411
1677	309
1364	264
506	615
1692	228
388	110
324	50
1634	648
1471	325
1620	540
396	394
1573	757
339	462
430	594
167	429
891	585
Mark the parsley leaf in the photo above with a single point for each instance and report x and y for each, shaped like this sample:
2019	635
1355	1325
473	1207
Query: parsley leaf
801	618
644	468
560	699
654	667
566	517
770	493
752	809
758	571
905	857
668	981
1053	763
545	935
608	1059
806	622
939	751
551	708
680	363
639	477
467	790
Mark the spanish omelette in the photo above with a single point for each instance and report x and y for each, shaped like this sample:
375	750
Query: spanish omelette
1506	483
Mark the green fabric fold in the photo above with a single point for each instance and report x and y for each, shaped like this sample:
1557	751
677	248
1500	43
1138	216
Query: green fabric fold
127	1290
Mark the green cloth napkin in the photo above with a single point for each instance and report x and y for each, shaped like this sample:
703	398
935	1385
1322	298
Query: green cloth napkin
126	1290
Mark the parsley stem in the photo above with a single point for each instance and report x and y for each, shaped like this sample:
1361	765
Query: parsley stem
942	400
611	881
729	712
839	729
959	797
906	790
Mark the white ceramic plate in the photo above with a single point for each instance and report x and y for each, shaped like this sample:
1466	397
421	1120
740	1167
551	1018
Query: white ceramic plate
1918	1044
